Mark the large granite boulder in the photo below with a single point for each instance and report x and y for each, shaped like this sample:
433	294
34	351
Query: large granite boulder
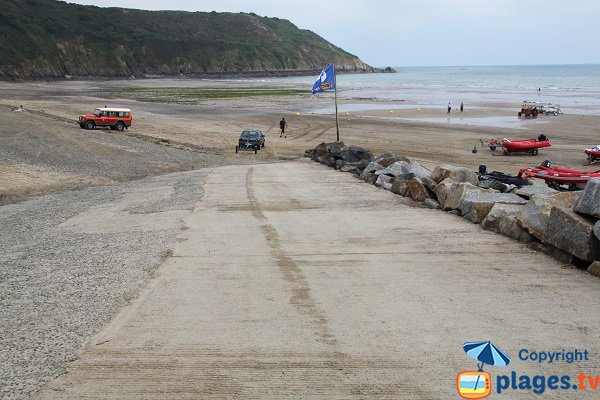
362	164
527	192
324	153
395	169
339	164
475	206
328	160
502	219
442	190
457	192
589	200
384	181
371	179
336	149
431	203
573	233
597	229
318	152
354	154
388	158
370	170
419	170
405	177
430	184
401	187
404	167
418	191
457	174
534	217
337	154
351	167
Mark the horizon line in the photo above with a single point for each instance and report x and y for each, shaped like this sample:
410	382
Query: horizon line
493	65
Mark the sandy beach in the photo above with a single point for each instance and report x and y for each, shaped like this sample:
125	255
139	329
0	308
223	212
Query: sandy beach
211	127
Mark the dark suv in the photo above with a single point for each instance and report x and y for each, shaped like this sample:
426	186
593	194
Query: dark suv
251	139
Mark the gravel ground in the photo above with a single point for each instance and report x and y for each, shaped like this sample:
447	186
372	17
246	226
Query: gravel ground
76	158
59	286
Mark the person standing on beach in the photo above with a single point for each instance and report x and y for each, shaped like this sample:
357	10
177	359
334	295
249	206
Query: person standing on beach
282	126
449	108
462	106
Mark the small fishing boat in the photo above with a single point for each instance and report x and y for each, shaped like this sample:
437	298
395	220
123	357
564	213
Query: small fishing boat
521	145
593	153
559	177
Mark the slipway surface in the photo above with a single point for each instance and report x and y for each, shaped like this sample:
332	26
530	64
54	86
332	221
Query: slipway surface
297	281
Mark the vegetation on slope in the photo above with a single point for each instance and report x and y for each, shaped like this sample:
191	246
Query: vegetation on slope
49	38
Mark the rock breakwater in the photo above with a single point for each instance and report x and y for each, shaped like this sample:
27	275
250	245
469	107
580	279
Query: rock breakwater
565	225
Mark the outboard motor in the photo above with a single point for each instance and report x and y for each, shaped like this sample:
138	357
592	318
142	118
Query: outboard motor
546	163
482	169
542	137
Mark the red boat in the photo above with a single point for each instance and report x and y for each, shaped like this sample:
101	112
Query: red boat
593	154
522	145
555	177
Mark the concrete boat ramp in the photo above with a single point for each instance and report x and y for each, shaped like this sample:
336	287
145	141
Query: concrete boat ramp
295	281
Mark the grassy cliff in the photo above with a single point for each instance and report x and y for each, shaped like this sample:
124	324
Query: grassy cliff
49	38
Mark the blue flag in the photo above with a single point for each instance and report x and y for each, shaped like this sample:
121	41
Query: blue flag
326	80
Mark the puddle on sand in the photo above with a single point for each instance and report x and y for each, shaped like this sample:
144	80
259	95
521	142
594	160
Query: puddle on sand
494	122
490	121
354	107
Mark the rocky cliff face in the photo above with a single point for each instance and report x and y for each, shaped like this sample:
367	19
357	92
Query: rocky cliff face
48	38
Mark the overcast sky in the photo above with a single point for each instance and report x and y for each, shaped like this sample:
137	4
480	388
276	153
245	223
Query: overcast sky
429	32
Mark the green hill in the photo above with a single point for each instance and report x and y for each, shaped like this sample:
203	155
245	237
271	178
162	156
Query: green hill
49	38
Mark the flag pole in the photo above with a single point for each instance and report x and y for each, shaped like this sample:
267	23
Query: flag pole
337	123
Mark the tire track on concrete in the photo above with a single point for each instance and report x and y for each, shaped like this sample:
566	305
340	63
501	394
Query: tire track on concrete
300	294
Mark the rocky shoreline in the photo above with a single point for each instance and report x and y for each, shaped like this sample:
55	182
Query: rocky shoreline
564	225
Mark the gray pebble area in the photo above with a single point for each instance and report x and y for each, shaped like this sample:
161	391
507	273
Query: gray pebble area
58	287
31	139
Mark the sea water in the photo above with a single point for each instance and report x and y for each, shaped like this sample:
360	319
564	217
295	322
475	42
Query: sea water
576	88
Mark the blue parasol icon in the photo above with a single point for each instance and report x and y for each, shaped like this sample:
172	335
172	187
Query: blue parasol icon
487	353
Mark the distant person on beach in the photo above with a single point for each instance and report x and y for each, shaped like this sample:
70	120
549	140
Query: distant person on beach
539	91
449	108
282	126
462	106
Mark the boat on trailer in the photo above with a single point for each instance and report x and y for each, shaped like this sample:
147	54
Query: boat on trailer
559	178
593	154
530	145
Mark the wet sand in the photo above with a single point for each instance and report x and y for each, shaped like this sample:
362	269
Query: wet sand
211	127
